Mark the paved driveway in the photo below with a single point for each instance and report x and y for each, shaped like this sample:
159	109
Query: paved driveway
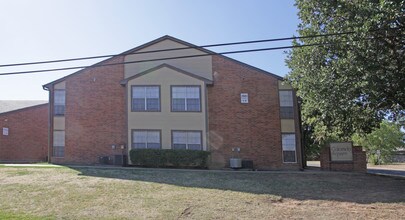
386	171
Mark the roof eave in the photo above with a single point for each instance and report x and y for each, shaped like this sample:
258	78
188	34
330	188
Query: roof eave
125	81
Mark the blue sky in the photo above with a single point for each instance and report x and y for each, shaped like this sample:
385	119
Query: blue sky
47	30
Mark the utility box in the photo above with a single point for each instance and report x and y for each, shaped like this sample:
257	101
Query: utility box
104	160
247	164
235	163
120	160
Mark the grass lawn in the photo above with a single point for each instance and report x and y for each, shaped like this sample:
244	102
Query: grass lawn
94	193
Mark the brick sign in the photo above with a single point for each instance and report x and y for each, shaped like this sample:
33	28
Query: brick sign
341	151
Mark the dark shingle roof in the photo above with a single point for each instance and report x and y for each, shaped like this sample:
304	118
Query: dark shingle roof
12	105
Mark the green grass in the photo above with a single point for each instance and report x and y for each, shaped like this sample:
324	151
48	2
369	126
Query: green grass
104	193
13	216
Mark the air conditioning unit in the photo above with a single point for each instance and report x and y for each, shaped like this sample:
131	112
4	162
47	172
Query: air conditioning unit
104	160
235	163
120	160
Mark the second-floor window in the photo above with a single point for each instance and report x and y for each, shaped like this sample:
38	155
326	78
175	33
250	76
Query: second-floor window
59	102
186	99
286	104
145	98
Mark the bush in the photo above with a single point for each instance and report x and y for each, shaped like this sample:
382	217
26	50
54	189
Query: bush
372	158
169	158
387	138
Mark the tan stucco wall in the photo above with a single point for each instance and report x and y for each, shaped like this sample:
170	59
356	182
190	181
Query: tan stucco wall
166	121
58	123
201	66
61	85
287	125
282	85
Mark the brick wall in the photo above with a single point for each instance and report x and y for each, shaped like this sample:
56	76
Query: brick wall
96	118
28	135
359	163
254	127
95	114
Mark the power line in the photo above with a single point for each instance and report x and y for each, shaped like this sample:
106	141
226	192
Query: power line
180	57
167	58
180	48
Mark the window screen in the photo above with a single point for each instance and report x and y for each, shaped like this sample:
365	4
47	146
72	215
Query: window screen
286	98
186	98
59	102
58	143
190	140
146	139
145	98
289	148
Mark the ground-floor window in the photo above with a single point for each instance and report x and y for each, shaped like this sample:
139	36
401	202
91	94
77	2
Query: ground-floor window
146	139
191	140
289	148
58	143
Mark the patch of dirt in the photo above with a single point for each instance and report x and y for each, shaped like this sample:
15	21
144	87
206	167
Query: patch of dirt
186	212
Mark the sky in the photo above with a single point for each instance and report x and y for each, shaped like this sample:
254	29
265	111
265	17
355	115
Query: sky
43	30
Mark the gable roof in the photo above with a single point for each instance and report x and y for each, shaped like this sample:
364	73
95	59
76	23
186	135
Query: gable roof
166	37
125	81
206	51
13	105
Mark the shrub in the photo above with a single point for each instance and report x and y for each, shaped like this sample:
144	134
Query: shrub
169	158
387	138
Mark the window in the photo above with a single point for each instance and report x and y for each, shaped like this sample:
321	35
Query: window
286	112
146	139
286	98
58	143
145	98
59	102
288	142
186	99
190	140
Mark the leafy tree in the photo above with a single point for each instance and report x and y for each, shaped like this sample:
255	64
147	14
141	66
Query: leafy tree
386	139
351	82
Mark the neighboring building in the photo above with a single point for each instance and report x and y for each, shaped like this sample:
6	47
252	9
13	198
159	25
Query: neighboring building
24	131
204	102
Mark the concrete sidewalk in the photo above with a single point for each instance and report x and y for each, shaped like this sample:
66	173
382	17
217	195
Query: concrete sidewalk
387	172
394	170
30	165
313	167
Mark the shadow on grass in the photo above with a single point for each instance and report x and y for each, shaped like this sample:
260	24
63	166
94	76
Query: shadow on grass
344	187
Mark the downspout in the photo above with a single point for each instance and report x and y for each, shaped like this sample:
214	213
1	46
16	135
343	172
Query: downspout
49	122
303	157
